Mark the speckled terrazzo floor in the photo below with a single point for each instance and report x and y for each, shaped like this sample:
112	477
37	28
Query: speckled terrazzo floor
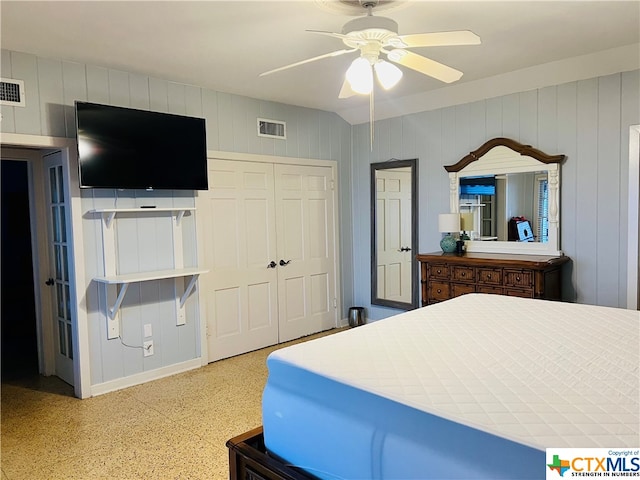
173	428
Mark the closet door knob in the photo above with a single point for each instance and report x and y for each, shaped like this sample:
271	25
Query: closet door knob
283	263
272	264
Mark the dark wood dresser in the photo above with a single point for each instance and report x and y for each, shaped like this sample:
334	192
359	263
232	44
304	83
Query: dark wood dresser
448	275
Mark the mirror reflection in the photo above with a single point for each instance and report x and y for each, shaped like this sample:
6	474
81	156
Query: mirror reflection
394	234
508	196
510	207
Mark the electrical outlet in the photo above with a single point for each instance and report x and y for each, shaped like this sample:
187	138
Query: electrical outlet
147	348
147	330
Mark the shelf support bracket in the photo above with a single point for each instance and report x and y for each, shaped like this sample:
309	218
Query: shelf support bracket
116	306
108	218
187	291
113	320
180	314
179	217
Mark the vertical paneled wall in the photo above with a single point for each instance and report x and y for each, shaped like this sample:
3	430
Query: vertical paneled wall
52	87
587	120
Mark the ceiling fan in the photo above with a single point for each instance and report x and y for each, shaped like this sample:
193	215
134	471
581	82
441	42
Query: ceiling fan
378	36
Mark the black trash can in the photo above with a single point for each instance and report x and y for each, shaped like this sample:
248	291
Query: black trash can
356	316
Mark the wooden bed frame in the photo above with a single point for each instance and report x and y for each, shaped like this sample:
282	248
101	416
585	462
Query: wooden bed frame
249	460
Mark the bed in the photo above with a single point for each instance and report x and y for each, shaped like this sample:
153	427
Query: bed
474	387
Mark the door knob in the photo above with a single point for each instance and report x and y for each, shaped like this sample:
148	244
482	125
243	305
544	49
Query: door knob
272	264
283	263
49	282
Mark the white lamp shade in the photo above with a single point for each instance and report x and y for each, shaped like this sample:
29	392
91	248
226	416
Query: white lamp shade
360	76
388	74
466	222
449	222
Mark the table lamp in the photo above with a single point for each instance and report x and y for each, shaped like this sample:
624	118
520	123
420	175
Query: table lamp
448	223
466	225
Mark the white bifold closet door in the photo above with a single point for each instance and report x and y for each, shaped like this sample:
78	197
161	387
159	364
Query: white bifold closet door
269	248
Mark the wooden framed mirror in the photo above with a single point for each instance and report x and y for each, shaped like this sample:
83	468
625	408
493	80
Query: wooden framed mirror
394	234
508	197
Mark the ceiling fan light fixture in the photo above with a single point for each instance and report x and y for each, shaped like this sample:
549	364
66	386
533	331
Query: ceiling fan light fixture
396	55
388	74
360	76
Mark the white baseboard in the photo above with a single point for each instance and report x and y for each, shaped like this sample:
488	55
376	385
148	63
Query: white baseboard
139	378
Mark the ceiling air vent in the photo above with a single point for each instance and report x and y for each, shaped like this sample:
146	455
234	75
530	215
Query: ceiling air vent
12	92
272	128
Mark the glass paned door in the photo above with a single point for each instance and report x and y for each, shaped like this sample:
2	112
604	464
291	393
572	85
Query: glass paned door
57	210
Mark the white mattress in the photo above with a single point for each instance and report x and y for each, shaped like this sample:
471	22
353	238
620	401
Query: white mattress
478	373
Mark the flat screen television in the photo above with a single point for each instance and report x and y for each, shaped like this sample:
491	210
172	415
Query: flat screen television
126	148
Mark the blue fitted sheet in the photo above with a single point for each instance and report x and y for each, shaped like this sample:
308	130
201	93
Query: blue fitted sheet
335	431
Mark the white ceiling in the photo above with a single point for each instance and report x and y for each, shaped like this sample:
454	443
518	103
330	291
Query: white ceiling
225	45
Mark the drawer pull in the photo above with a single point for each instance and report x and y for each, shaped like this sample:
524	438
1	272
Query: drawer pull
439	291
489	277
463	274
518	278
439	271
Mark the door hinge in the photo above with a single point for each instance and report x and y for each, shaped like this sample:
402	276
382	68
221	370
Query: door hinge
335	303
333	184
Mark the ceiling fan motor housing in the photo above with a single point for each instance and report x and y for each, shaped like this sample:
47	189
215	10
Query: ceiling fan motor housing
370	23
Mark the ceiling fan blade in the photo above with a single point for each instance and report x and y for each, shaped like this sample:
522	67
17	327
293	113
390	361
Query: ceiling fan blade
308	60
331	34
346	91
437	39
424	65
348	40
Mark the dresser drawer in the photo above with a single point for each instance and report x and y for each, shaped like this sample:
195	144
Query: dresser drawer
438	271
463	274
439	291
488	289
515	292
458	289
490	276
518	278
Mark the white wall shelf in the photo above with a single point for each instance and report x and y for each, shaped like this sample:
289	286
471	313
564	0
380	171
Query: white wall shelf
146	276
116	285
108	214
125	280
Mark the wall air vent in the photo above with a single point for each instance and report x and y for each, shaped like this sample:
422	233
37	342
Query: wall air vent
12	92
272	128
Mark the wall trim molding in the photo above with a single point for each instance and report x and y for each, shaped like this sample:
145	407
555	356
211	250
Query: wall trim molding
633	227
39	141
254	157
143	377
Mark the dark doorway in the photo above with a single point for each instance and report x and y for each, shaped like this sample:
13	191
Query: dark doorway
19	337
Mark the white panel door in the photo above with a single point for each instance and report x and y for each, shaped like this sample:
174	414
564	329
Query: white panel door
306	251
394	234
240	244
